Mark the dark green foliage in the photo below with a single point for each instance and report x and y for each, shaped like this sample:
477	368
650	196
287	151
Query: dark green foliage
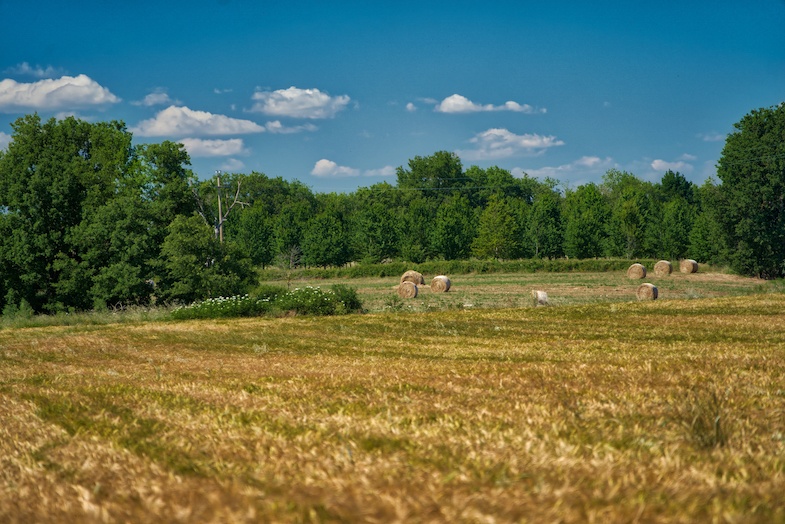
752	194
586	214
324	241
545	231
196	265
498	233
453	230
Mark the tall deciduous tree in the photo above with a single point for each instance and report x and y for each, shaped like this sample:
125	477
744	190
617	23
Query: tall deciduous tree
586	217
752	170
498	234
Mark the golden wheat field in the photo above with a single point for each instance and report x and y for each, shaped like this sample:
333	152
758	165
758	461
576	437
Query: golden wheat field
664	411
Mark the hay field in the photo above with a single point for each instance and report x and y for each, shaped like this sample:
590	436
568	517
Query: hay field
666	411
513	290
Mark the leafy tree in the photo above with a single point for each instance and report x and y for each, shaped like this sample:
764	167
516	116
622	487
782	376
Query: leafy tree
416	216
586	218
376	232
675	185
752	203
498	234
253	233
437	176
324	242
545	230
53	176
453	230
677	219
707	239
195	265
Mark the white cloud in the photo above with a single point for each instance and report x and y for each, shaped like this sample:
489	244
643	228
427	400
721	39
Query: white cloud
328	168
411	107
585	165
688	157
711	137
219	91
67	92
501	143
5	139
382	172
662	165
159	97
460	104
199	147
299	103
276	127
36	71
182	121
232	164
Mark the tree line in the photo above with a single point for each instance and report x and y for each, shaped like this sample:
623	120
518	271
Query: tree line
88	220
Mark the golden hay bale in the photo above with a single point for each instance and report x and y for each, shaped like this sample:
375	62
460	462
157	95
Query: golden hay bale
415	277
647	292
636	271
407	290
440	284
688	266
663	268
540	298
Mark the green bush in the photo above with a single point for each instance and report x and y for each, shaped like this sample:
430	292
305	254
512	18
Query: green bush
272	300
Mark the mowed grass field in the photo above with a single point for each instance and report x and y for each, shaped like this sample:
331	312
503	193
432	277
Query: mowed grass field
598	409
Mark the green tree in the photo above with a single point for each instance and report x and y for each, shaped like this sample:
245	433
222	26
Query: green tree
586	217
437	176
752	171
677	220
54	176
498	234
253	233
454	228
545	230
324	241
195	265
707	239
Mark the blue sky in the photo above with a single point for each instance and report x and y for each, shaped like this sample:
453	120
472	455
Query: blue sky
339	94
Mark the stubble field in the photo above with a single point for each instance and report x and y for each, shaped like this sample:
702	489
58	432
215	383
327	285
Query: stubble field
594	410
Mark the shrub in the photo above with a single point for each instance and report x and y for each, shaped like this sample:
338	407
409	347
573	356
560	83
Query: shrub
270	300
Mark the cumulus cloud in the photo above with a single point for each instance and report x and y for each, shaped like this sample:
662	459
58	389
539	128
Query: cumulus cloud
585	165
410	107
232	164
328	168
182	121
159	97
35	71
67	92
711	137
198	147
5	139
385	171
460	104
662	165
500	143
299	103
276	127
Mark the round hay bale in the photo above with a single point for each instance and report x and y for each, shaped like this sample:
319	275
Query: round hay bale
647	292
688	266
407	290
415	277
440	284
663	268
540	298
636	271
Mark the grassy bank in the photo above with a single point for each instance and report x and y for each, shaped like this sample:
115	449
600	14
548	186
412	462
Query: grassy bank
614	412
